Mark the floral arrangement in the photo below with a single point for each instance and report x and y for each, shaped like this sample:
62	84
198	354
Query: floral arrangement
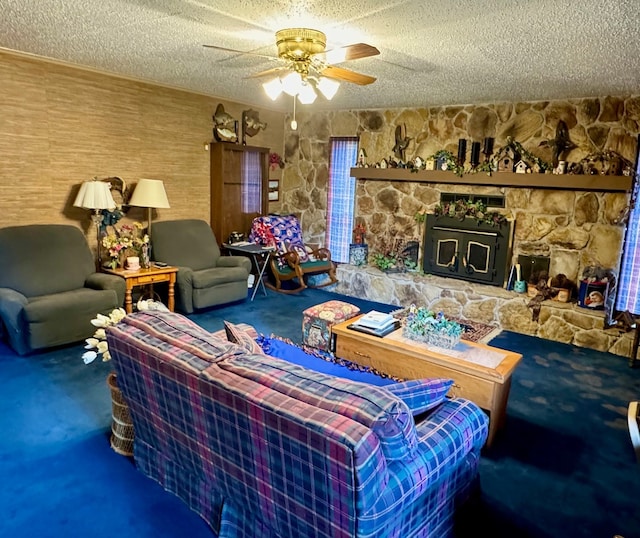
97	345
461	209
424	325
275	161
129	239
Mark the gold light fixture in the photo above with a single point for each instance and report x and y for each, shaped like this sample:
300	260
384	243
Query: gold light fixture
306	67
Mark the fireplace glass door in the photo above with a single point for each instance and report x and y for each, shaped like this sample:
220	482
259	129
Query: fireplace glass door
474	253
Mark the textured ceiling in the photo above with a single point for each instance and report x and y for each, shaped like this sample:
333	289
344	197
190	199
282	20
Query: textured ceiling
440	52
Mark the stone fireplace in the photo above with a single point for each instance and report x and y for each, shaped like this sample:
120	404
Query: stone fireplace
573	227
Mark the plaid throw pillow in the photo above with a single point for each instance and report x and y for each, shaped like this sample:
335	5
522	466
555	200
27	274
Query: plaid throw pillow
242	337
420	395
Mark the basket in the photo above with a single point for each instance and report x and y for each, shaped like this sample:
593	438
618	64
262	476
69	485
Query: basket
121	425
433	338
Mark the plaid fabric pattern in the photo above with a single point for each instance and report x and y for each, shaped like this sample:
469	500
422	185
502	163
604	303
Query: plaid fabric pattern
255	462
241	337
420	395
374	407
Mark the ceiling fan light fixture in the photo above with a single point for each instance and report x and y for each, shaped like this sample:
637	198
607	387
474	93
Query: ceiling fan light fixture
307	94
292	83
273	88
328	87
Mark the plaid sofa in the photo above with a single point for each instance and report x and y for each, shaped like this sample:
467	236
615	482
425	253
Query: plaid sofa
263	448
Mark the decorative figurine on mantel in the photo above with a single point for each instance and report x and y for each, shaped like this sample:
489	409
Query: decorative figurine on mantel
402	141
362	158
560	144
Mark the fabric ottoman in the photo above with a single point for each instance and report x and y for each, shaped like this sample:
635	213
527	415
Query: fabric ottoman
317	322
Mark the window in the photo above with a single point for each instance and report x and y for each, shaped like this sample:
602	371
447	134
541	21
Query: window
341	196
251	187
628	294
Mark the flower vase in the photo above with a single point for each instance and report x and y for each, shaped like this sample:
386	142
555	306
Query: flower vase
145	256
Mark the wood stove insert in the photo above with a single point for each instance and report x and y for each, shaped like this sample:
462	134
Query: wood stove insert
467	249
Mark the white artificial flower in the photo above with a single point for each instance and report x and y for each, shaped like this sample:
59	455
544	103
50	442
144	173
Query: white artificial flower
100	334
91	343
117	315
101	321
89	357
99	340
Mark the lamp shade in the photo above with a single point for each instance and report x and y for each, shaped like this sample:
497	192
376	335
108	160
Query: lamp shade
149	193
95	195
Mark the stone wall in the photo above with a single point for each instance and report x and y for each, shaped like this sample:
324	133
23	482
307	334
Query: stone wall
561	322
574	228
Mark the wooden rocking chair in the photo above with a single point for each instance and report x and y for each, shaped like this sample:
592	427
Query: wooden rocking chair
292	262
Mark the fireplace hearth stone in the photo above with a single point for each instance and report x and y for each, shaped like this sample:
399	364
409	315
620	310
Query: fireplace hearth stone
560	322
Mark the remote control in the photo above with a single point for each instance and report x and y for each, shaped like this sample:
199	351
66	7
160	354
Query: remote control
160	264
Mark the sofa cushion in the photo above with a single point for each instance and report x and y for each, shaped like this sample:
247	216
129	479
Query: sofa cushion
174	338
239	336
83	302
215	276
374	407
420	395
185	243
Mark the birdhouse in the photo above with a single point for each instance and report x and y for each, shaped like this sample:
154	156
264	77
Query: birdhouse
521	167
508	160
362	158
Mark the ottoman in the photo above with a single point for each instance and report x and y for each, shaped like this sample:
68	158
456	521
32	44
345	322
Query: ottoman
317	322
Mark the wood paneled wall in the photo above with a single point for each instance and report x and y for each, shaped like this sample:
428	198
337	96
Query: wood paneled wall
60	126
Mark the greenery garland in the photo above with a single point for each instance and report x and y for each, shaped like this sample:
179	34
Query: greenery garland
462	209
527	155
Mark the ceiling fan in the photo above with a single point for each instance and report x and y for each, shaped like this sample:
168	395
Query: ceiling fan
305	63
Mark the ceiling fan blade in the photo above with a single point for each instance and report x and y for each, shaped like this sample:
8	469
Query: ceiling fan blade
348	52
267	72
240	52
338	73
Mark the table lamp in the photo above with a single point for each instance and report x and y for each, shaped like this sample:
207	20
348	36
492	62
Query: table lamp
96	195
149	193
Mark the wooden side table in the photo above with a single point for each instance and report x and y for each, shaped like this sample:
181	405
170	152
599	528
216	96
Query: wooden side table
146	277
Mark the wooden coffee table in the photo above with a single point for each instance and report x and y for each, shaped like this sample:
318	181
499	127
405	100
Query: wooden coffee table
481	373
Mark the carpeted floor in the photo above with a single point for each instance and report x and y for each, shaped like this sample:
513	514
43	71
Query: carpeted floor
563	466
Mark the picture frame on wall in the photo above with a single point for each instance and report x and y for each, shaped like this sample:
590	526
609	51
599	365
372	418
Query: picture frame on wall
274	190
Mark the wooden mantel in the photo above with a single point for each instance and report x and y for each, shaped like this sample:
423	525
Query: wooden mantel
501	179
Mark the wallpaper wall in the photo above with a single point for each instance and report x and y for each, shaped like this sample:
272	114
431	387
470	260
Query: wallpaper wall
60	126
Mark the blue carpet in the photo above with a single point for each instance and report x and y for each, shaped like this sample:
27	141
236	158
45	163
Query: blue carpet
563	465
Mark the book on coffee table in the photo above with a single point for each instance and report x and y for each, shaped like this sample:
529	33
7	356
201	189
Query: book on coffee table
376	320
384	330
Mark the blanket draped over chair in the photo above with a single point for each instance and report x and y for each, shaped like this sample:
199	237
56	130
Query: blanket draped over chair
293	262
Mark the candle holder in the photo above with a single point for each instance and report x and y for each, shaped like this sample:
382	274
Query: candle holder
487	148
462	151
475	154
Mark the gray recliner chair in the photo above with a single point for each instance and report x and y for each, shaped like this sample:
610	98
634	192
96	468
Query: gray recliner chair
49	288
205	277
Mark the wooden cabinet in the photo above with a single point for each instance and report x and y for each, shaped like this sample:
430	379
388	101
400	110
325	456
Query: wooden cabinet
239	187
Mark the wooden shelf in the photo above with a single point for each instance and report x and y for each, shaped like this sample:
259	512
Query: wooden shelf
500	179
